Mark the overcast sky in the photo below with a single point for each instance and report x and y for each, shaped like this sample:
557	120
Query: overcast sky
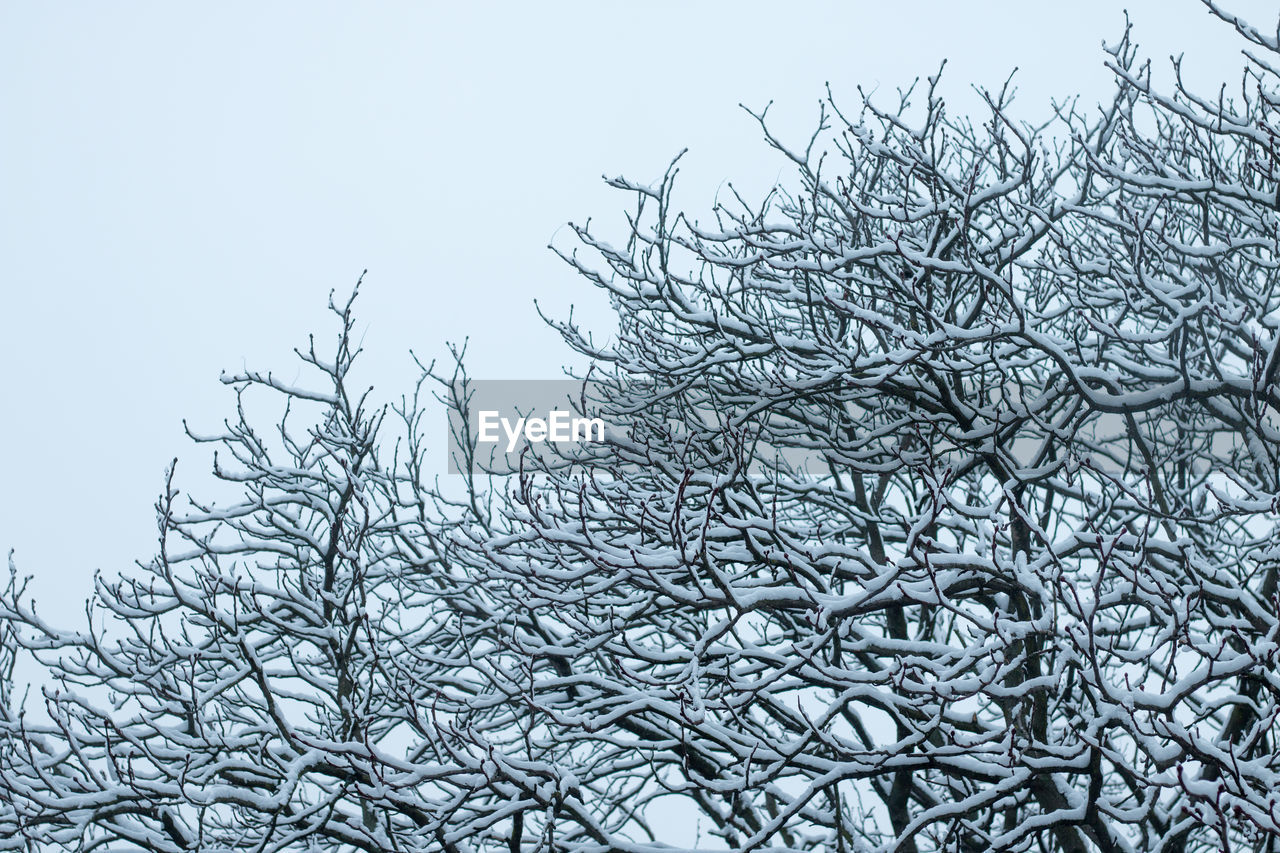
181	185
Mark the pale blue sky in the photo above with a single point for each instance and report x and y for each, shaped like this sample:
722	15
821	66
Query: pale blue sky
182	184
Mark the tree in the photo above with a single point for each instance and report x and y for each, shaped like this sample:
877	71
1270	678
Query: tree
241	691
939	514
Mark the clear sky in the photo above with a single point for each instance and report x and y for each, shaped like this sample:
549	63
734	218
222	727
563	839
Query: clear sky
182	184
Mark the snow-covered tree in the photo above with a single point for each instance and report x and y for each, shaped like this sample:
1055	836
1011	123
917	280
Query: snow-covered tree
244	690
938	512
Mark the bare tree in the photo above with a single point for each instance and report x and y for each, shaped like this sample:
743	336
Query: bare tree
244	691
938	513
965	536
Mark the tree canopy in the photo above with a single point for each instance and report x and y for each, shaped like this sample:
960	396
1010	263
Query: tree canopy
941	514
